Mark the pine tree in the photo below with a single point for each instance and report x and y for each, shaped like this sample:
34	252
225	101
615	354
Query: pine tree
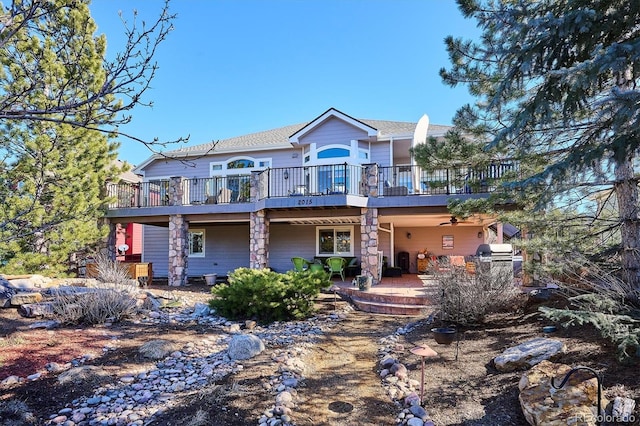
556	89
59	101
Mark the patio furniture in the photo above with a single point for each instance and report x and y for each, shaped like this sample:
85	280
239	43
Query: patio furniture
315	267
224	196
353	268
336	266
300	264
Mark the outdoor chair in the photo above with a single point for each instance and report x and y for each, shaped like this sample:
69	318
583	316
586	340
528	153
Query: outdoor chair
300	264
224	196
336	266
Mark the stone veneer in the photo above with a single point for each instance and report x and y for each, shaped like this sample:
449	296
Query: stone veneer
369	243
370	180
259	240
175	191
178	250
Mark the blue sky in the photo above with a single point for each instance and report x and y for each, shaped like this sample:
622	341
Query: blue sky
232	67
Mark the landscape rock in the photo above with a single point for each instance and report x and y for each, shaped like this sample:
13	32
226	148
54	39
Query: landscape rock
81	374
529	354
543	405
623	409
157	349
245	346
30	282
33	310
11	380
45	324
200	310
6	293
26	298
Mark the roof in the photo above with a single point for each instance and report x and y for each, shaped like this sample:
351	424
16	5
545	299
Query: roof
280	138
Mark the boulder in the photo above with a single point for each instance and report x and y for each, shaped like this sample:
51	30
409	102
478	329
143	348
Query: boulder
26	298
6	293
26	282
157	349
575	403
245	346
529	354
34	310
623	409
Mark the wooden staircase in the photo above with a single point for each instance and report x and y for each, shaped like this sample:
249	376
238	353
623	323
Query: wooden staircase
378	303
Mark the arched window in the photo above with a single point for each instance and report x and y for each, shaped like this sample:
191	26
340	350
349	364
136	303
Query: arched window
334	153
243	163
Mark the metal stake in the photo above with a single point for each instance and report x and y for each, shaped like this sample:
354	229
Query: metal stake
423	352
598	381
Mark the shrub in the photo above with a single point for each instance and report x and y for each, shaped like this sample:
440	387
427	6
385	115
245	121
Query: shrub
112	299
106	302
600	298
467	298
16	413
268	296
111	271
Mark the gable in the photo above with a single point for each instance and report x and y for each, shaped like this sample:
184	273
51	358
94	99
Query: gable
331	131
328	116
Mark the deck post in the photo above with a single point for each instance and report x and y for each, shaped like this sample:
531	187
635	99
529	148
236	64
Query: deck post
178	250
259	240
370	180
176	191
369	244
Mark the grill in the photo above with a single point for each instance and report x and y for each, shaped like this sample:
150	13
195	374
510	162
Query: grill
496	257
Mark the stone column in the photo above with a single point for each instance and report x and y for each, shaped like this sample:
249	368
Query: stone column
178	250
371	180
175	191
369	243
256	188
259	240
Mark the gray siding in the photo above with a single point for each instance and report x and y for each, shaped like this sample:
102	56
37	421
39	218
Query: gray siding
333	131
380	153
226	248
200	167
155	248
288	241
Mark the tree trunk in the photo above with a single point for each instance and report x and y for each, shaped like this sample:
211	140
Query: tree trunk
626	189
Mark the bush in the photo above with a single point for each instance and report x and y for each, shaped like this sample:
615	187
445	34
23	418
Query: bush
600	298
107	302
112	299
111	271
268	296
467	298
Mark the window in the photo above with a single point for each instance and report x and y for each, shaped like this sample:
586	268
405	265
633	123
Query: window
196	243
334	241
334	153
333	178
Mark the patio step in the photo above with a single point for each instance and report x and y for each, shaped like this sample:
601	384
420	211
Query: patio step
386	303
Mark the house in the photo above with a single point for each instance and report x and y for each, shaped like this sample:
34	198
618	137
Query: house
335	185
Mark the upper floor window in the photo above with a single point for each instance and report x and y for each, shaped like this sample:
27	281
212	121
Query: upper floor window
343	153
239	165
333	153
243	163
